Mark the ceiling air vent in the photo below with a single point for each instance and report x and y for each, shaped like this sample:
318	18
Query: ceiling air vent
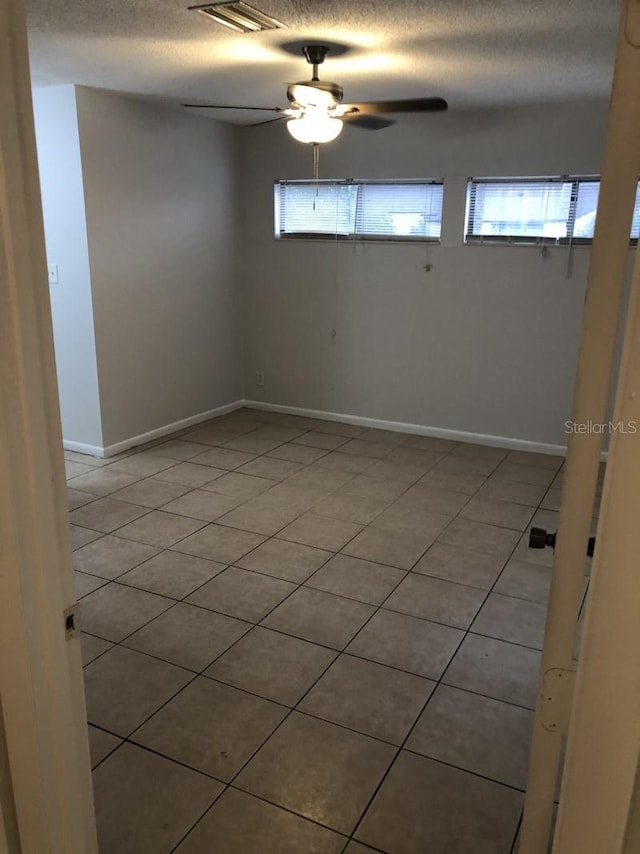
239	16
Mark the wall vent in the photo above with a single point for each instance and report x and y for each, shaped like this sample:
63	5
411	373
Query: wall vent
239	16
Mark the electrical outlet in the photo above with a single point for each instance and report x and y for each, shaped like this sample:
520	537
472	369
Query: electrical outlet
53	274
260	378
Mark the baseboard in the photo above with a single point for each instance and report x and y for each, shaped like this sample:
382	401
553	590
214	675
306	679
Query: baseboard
81	448
158	433
416	429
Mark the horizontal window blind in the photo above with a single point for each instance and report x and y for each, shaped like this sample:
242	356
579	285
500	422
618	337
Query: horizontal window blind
358	209
519	209
307	208
535	210
403	210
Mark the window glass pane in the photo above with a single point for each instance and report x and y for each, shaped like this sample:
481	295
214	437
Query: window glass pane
520	209
314	209
586	207
399	210
635	222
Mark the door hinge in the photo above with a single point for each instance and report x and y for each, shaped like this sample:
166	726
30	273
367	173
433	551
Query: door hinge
557	693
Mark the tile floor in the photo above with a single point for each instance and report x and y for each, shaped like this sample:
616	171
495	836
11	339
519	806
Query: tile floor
306	637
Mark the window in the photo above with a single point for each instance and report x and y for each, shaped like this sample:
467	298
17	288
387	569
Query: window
374	210
535	210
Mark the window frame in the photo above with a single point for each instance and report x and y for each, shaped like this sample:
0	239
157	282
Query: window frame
355	236
529	240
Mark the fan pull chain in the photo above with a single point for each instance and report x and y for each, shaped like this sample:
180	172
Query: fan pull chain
316	165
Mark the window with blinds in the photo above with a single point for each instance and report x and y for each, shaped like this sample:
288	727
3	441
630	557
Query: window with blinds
535	210
361	210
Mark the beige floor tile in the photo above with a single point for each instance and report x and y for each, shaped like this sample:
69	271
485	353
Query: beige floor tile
407	473
76	498
115	611
106	515
350	508
369	698
223	458
74	469
241	824
466	464
151	492
364	448
525	581
243	486
161	529
476	734
464	566
242	594
272	665
123	688
252	443
143	464
210	435
437	600
444	502
319	617
416	646
211	727
335	428
85	584
401	550
111	556
412	520
202	504
318	770
524	474
270	468
92	647
304	454
282	559
423	806
356	579
483	538
504	514
465	482
320	532
325	441
145	803
79	536
101	744
172	574
263	515
339	461
190	474
513	620
507	490
496	669
179	449
377	488
188	636
219	543
428	443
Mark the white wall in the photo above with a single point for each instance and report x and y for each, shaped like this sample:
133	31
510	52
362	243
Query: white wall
485	343
161	198
66	237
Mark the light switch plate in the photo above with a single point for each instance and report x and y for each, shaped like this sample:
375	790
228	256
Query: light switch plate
53	274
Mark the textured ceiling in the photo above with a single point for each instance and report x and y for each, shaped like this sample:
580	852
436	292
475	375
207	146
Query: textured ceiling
471	52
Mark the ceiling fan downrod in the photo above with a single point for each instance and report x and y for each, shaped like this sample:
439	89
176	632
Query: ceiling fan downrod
315	54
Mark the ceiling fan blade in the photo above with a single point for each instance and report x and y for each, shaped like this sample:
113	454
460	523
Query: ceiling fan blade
232	107
367	122
409	105
266	122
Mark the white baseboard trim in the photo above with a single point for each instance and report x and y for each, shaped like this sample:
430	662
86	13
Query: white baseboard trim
158	433
81	448
416	429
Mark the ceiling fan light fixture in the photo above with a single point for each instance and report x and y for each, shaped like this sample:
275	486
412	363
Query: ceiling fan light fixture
314	127
239	16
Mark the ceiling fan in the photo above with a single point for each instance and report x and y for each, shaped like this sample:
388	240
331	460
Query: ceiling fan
316	112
